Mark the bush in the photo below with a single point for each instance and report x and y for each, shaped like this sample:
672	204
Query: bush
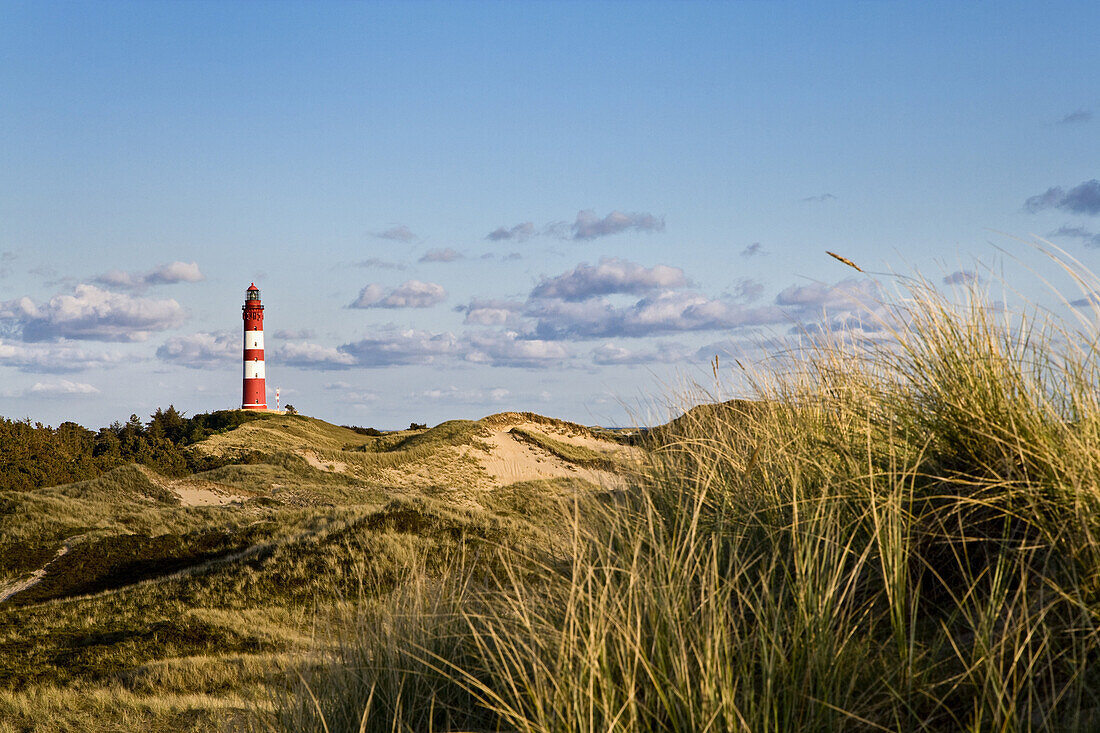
372	432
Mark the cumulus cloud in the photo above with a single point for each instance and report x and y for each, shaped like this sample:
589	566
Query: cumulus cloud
1076	117
682	311
397	233
62	388
441	255
509	349
167	274
611	275
491	312
90	313
403	348
410	294
1090	239
312	356
590	226
753	249
666	312
56	358
614	355
413	347
818	199
201	350
848	294
1081	199
519	233
961	277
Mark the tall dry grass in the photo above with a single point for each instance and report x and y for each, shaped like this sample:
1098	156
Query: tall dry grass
899	532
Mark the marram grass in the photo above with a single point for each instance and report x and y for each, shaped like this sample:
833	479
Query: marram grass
896	533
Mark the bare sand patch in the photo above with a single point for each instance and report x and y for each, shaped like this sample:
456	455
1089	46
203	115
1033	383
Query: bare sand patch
190	496
510	460
193	491
323	464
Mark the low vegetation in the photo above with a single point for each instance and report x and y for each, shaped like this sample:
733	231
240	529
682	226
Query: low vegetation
899	533
125	605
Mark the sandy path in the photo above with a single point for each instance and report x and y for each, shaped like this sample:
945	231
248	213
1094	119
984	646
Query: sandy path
36	577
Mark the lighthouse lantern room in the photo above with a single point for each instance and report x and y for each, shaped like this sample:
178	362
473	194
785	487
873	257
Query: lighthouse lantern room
255	393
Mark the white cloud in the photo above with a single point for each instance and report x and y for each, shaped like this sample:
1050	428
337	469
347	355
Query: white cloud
465	396
312	355
405	347
55	358
509	349
90	313
62	388
614	355
611	275
202	350
589	226
172	272
666	312
410	294
848	294
491	312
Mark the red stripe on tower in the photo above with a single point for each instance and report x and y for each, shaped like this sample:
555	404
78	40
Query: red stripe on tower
255	392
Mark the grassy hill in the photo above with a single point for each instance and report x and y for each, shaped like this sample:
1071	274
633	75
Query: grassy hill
898	533
138	600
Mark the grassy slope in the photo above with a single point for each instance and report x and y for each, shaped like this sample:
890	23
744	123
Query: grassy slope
169	617
901	534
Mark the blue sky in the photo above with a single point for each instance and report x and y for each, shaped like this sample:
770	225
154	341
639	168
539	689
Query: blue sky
458	208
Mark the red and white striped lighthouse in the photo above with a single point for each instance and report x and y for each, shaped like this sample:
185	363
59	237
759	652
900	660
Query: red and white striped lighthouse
255	393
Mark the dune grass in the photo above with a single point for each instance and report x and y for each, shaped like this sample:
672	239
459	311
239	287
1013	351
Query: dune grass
899	534
570	452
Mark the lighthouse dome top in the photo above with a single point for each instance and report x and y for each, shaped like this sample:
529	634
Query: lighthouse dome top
253	292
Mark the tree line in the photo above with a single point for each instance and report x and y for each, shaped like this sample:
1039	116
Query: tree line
34	455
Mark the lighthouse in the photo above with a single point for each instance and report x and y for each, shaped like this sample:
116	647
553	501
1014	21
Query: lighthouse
255	393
